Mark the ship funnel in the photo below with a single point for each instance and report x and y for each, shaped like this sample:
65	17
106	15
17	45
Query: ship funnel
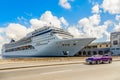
12	40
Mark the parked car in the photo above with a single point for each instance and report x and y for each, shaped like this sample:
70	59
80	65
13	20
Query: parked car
98	59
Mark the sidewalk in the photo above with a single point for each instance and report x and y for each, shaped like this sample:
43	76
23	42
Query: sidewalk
18	65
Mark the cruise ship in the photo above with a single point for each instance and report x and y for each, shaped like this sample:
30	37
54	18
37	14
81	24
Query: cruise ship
45	41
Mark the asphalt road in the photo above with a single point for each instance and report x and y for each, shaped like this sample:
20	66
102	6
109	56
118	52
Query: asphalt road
65	72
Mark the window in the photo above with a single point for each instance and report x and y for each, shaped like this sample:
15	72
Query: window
94	47
65	44
113	49
115	42
27	47
107	45
117	48
74	44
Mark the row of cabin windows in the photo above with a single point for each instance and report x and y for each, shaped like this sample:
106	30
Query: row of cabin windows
65	44
20	48
68	44
89	53
106	45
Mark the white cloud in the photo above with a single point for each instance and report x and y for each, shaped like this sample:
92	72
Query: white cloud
65	3
96	9
117	23
92	20
2	30
112	6
62	19
2	40
75	32
95	19
102	30
117	27
90	27
16	31
47	19
35	23
117	17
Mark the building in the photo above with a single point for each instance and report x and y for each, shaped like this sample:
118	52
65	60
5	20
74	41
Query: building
95	48
115	43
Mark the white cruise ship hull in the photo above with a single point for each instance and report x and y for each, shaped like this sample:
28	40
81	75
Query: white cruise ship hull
67	47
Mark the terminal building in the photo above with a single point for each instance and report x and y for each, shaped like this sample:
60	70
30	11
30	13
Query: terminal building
95	48
115	43
103	47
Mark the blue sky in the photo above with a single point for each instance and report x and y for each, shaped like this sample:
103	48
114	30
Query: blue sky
11	9
77	13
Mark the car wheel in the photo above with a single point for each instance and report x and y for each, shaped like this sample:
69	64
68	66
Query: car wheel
90	62
110	61
97	62
100	61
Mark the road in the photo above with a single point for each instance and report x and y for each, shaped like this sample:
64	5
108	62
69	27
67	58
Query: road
65	72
